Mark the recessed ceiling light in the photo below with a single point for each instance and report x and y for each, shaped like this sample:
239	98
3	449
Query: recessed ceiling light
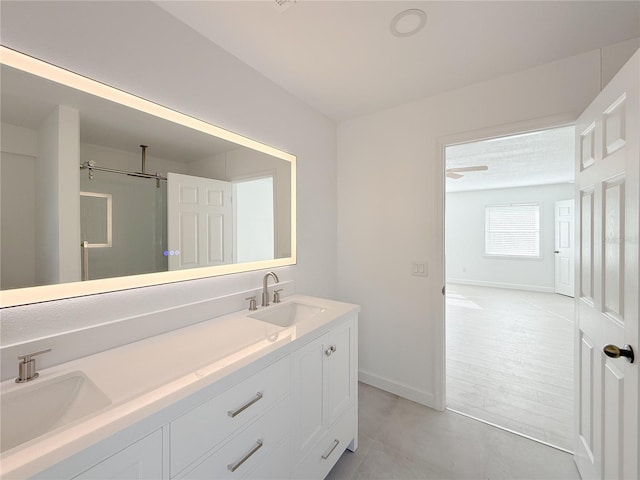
282	5
408	23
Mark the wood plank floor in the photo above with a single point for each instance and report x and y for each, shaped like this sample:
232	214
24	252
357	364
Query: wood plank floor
510	360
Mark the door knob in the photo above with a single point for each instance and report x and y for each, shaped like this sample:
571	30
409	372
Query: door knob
556	251
613	351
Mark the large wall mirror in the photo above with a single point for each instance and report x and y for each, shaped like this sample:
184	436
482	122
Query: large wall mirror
102	190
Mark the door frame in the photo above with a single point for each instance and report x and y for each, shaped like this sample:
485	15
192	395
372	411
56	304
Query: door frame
514	128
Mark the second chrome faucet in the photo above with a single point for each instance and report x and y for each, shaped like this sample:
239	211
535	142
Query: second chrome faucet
265	292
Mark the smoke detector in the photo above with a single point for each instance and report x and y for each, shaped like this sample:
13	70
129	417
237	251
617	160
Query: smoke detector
282	5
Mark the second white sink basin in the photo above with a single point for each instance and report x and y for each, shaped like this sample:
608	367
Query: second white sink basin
29	411
288	313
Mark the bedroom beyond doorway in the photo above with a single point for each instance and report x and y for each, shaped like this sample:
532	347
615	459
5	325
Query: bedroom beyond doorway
510	360
509	328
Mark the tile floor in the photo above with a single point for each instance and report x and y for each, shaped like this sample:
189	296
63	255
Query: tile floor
402	440
510	360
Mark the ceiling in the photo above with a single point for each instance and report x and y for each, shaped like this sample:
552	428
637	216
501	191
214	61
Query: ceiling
341	58
535	158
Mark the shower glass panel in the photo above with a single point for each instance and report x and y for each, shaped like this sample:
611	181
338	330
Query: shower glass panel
138	224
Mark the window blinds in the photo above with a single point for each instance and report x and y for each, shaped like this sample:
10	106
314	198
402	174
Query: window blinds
512	230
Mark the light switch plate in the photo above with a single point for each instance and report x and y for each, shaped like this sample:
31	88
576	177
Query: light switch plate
419	269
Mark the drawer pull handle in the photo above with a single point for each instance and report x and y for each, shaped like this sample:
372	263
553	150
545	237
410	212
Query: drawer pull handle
330	350
335	444
233	413
234	466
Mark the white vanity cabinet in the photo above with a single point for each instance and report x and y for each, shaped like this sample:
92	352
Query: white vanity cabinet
324	400
302	434
140	461
291	417
251	450
261	401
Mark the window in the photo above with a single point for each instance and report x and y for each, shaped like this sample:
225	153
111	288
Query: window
512	230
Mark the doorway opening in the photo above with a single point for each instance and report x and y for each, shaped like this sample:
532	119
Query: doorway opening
509	328
254	214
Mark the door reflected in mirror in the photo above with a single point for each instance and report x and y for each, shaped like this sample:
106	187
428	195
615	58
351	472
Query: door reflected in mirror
150	190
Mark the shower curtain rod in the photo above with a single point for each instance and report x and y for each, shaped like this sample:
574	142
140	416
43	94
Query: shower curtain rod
90	165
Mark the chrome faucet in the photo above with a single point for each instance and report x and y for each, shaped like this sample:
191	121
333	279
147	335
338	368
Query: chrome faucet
265	292
27	366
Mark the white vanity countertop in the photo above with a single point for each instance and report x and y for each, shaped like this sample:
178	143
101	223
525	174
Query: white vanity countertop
145	377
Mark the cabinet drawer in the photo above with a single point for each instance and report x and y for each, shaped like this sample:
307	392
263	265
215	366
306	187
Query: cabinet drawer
276	465
324	455
246	452
201	429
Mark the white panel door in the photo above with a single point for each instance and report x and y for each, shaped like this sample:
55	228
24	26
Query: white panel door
199	221
608	178
564	243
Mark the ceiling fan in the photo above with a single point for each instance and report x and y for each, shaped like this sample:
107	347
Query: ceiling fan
455	172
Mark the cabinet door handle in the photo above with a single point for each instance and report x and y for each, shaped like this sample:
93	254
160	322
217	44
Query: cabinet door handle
233	413
234	466
335	444
330	350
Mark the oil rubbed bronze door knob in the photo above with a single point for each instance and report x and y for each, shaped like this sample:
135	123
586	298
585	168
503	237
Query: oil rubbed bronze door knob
613	351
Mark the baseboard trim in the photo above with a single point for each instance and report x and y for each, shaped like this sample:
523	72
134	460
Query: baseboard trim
510	286
404	391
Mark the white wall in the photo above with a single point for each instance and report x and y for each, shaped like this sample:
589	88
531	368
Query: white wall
140	48
465	230
17	190
390	194
40	211
616	55
57	201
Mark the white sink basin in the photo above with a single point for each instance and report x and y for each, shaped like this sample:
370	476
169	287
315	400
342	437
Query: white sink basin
28	411
288	313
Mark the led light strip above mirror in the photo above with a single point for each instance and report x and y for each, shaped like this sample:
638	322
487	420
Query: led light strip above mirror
56	74
287	256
